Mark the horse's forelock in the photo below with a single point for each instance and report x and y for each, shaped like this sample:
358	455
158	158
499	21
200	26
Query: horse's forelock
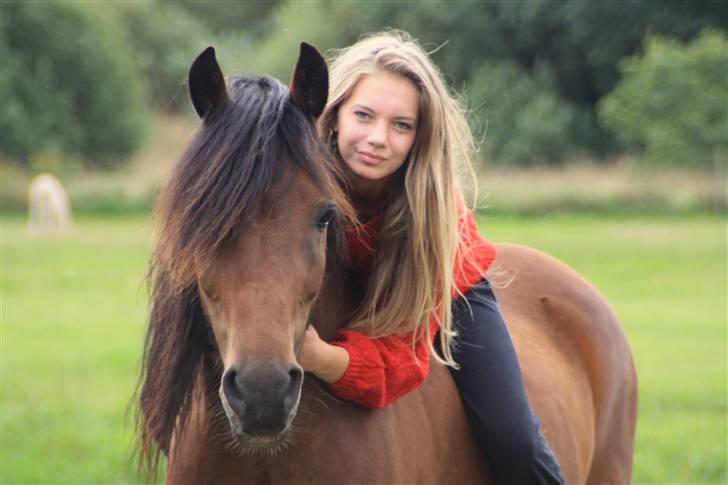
219	182
234	160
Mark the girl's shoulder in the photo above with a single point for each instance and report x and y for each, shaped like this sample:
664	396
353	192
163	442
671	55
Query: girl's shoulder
475	253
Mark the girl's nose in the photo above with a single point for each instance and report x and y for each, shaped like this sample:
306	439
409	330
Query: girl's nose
378	134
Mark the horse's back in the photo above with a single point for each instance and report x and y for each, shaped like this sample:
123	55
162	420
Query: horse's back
576	362
423	437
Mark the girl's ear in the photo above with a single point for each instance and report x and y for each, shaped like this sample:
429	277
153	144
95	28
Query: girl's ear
309	84
206	83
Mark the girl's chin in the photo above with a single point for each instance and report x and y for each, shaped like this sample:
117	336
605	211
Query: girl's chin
366	182
358	170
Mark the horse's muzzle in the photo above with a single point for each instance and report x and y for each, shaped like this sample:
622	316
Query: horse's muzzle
261	399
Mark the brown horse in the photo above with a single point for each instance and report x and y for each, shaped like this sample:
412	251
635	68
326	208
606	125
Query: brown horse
248	257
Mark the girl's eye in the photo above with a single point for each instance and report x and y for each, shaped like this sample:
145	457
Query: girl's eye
361	115
403	126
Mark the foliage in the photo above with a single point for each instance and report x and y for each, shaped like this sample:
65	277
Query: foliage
68	84
523	120
14	185
580	42
251	18
321	23
671	102
165	41
74	73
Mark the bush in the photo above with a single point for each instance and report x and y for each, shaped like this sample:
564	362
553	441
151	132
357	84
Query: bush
581	41
14	184
523	120
164	40
68	84
321	23
670	105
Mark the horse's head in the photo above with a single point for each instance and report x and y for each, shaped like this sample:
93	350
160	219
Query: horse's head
257	291
242	253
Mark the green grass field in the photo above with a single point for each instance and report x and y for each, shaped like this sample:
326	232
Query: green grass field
73	311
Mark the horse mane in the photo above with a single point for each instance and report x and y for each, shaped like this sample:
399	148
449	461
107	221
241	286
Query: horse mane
220	183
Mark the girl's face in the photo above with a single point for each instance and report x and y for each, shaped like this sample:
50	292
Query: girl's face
376	129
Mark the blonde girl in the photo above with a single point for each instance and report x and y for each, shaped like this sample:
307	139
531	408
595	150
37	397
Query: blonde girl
403	140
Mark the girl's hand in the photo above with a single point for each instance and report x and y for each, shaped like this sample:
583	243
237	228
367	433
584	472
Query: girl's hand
310	356
327	362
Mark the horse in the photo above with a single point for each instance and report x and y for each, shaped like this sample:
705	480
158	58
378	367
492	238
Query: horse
48	204
249	254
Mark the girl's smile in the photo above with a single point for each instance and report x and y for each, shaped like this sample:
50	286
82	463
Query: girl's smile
371	158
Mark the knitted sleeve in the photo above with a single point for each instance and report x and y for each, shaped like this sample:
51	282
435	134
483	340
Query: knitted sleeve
381	370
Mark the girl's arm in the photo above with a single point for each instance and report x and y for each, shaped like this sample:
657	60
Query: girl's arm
371	372
327	362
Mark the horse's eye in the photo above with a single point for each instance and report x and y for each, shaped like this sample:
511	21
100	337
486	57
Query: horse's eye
326	217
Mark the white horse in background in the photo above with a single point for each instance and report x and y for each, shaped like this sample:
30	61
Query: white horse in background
49	206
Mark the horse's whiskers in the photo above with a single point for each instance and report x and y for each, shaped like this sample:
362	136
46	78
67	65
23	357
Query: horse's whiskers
242	449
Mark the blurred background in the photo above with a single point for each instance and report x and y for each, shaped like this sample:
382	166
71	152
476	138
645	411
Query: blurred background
603	134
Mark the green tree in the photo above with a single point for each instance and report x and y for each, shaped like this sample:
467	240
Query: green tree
68	84
580	41
165	39
250	18
319	22
522	119
671	105
671	102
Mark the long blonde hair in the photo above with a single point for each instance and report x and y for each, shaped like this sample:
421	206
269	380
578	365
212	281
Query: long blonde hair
412	278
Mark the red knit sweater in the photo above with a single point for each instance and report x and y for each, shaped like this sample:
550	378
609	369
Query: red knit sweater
384	369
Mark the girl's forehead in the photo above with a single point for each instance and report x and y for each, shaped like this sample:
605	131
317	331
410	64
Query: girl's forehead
387	93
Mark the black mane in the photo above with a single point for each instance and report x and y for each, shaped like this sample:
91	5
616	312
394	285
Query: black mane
235	157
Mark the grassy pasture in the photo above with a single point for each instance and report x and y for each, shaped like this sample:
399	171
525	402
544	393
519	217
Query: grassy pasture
73	309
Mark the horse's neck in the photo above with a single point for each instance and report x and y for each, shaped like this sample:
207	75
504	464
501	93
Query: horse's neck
338	298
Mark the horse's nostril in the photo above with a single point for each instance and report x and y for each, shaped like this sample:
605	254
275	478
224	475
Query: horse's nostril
296	375
262	398
233	389
292	391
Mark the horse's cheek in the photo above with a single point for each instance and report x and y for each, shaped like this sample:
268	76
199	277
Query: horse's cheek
215	319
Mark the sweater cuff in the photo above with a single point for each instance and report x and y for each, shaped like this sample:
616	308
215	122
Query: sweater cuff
363	367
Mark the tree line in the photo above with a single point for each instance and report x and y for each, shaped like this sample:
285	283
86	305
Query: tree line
544	80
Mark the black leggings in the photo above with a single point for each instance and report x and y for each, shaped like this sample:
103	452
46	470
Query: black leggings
491	386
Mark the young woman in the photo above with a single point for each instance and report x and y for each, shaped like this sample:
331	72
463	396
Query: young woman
402	138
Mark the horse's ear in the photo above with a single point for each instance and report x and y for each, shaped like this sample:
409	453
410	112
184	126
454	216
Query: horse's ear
206	82
309	84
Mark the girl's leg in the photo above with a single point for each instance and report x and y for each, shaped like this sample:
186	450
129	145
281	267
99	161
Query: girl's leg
491	387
